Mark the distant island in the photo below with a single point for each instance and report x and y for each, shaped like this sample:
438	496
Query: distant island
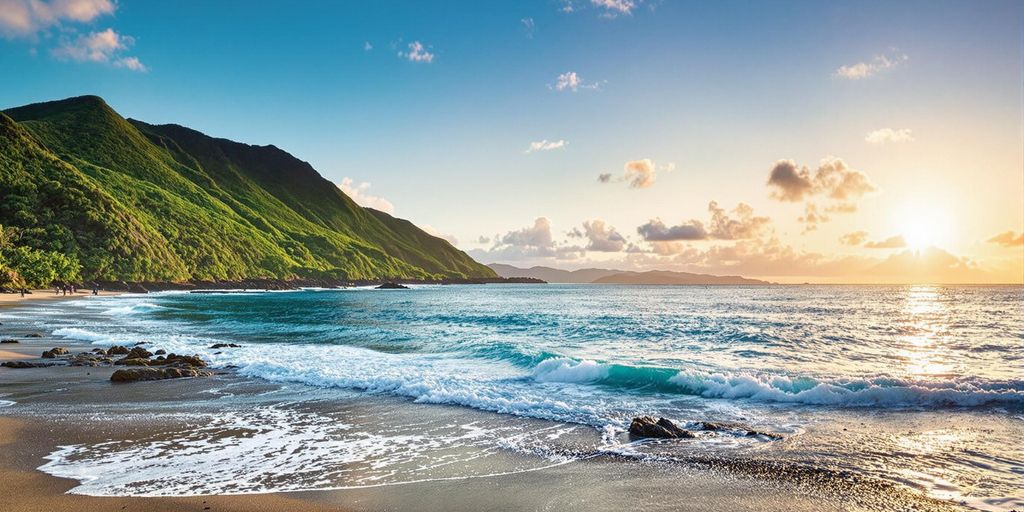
608	276
89	196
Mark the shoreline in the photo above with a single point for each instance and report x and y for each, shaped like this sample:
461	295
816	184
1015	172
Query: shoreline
15	298
35	427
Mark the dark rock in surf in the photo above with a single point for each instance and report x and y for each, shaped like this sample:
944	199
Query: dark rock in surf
392	286
117	350
34	335
54	352
645	426
9	341
144	374
182	360
224	345
138	353
24	364
160	352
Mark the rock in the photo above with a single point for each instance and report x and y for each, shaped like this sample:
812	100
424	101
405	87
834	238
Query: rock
54	352
160	352
180	360
117	350
645	426
9	340
33	335
99	351
132	361
138	353
392	286
769	435
143	374
225	345
24	364
87	360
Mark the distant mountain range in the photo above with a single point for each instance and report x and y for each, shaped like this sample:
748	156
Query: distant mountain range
122	199
608	276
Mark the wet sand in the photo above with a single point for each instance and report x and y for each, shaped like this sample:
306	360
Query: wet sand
59	406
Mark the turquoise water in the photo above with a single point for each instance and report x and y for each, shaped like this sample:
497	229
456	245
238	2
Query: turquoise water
791	360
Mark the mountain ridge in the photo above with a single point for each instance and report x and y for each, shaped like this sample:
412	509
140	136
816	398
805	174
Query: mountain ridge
609	276
133	201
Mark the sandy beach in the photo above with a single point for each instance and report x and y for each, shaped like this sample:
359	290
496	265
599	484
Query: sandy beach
61	406
7	299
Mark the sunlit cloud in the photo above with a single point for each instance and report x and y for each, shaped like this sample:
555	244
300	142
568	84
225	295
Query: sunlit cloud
878	64
741	224
417	52
854	238
602	237
812	217
358	193
546	145
887	135
25	18
640	173
656	231
893	242
571	81
105	46
832	179
1008	239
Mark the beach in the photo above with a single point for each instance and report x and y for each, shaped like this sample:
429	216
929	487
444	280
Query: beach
238	441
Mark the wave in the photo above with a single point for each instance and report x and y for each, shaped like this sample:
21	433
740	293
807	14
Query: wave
7	403
142	307
74	333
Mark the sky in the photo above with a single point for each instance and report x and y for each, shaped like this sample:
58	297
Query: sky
788	140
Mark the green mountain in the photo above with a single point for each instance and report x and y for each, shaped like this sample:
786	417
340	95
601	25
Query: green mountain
131	201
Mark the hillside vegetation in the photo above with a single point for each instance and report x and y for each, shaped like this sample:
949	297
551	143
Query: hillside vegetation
124	200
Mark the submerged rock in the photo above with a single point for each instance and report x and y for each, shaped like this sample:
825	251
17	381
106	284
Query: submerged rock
143	374
392	286
645	426
24	364
54	352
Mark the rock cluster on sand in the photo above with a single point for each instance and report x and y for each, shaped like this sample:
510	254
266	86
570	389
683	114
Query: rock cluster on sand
645	426
140	362
54	352
24	364
142	374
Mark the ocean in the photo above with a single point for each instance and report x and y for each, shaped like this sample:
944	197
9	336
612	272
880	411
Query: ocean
919	386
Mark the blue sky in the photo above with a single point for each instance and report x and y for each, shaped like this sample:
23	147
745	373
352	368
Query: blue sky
718	90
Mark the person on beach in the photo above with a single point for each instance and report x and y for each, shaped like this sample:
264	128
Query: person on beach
22	291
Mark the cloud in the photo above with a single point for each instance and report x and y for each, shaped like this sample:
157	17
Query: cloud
811	217
656	231
570	81
529	27
854	238
876	65
1008	239
105	46
431	230
884	135
536	236
546	145
833	178
602	238
893	242
639	173
358	193
417	53
842	208
367	46
614	8
742	224
25	18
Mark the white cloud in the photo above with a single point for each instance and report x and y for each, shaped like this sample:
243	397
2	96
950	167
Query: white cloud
417	53
105	46
571	81
367	46
358	193
602	238
546	145
876	65
883	135
24	18
615	7
529	27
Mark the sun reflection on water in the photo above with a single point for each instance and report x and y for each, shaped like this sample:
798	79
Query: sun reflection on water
923	341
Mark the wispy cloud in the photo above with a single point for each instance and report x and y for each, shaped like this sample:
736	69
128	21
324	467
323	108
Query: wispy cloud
25	18
1008	239
884	135
546	145
878	64
367	46
571	81
358	192
640	173
893	242
106	46
529	27
417	52
854	238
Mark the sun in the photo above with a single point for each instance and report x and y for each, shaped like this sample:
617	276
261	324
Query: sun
924	226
